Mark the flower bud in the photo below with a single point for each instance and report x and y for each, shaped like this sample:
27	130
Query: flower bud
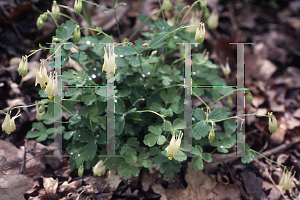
200	33
40	22
55	11
38	114
272	123
44	16
77	34
78	6
23	66
229	102
166	5
249	97
211	136
42	108
80	171
213	20
55	40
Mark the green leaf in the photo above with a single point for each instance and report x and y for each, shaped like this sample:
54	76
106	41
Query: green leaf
219	113
143	155
166	80
180	156
168	167
146	67
197	150
120	124
200	130
84	110
84	135
120	107
161	139
88	151
230	126
156	130
143	18
198	163
79	56
199	114
65	30
179	124
89	99
133	142
128	170
135	61
125	51
150	139
68	107
68	46
160	43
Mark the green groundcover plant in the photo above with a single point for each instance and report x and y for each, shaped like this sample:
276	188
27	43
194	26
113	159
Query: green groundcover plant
149	94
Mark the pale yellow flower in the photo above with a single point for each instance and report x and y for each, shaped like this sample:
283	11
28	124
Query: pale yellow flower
99	169
200	34
9	123
173	148
213	20
109	60
78	6
286	179
166	5
226	69
51	88
41	75
55	11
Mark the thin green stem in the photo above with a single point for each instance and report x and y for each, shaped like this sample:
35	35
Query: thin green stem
229	93
188	11
52	17
267	158
140	99
95	4
115	14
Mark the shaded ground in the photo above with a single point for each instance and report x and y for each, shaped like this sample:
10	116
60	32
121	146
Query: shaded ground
271	73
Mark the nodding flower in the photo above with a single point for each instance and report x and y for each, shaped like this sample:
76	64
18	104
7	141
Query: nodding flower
99	169
173	148
286	179
51	88
55	11
272	123
23	66
213	20
166	5
9	123
41	75
200	33
78	6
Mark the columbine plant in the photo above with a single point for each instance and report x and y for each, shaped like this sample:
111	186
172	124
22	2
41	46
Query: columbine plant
149	85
